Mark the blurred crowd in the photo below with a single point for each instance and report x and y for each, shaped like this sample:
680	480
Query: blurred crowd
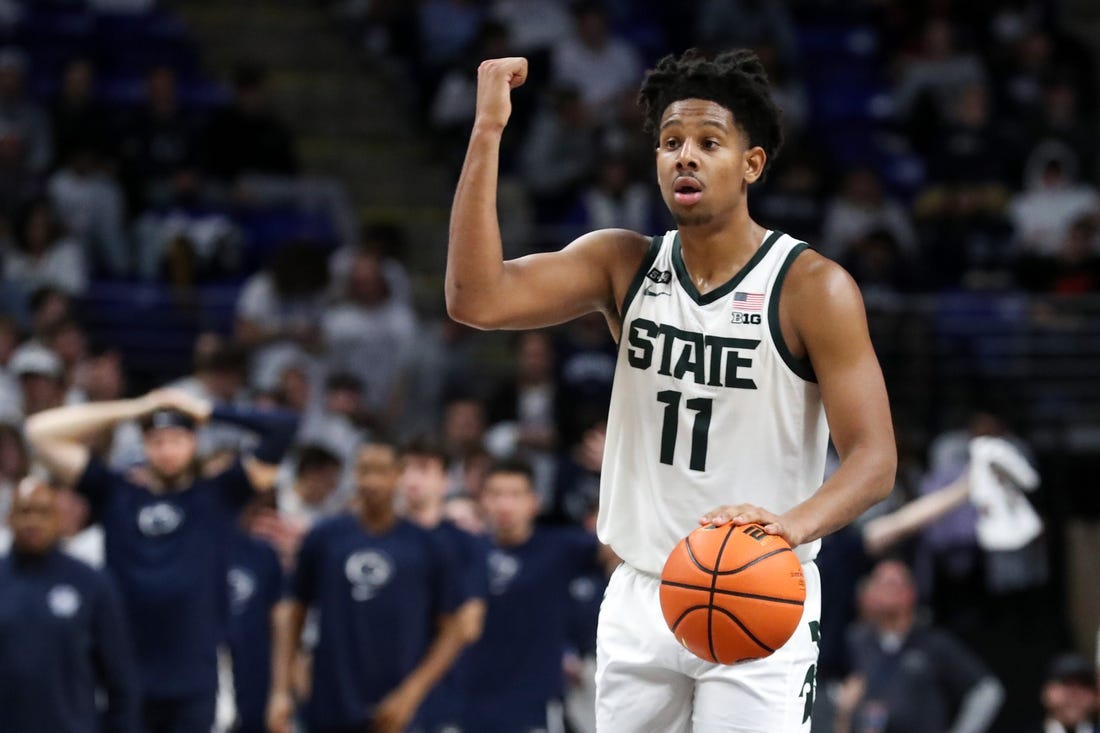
930	147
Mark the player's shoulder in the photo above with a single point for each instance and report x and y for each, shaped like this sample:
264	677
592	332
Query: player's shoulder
814	281
618	250
337	524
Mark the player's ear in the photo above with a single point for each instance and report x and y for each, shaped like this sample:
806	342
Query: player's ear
754	161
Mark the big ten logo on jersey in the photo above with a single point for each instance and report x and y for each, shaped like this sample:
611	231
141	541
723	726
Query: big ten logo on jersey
242	586
747	307
716	361
368	571
503	569
159	519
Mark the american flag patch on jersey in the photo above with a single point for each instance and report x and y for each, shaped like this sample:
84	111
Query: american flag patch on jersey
743	301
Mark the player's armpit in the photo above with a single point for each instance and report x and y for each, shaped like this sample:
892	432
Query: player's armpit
591	273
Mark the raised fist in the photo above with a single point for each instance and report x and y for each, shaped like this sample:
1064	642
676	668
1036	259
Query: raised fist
496	78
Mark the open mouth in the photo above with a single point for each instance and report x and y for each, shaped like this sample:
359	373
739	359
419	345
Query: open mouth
686	190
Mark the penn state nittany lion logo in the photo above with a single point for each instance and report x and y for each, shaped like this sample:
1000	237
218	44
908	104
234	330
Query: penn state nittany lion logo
64	601
502	569
367	571
242	586
159	519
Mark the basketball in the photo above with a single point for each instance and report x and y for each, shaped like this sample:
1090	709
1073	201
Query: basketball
732	593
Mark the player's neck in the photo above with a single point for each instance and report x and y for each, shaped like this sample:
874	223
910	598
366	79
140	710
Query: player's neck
715	252
514	537
377	520
428	514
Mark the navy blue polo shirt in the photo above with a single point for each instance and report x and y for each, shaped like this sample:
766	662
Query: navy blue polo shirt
62	635
379	598
167	554
256	584
518	659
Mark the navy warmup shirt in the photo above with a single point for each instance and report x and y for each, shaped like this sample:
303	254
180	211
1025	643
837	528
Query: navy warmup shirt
468	558
62	635
379	598
255	580
167	554
518	658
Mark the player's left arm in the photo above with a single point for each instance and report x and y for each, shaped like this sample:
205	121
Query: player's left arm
397	709
823	317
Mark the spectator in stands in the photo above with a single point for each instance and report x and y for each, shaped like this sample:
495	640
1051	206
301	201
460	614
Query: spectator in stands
447	28
725	24
617	198
389	242
558	153
422	492
931	78
368	332
247	137
1062	117
312	495
534	27
339	420
256	585
77	120
18	183
878	264
21	116
586	356
165	528
43	256
41	379
65	641
160	146
593	46
1074	269
1053	198
1069	696
860	207
386	592
791	199
279	309
465	420
515	680
906	676
90	203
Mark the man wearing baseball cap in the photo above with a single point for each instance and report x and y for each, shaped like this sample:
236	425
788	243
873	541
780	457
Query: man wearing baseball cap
1069	696
166	529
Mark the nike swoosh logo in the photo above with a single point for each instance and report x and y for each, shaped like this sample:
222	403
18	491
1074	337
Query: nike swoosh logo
647	291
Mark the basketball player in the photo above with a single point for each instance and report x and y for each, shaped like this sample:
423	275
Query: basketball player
423	491
64	639
386	594
740	351
514	682
165	529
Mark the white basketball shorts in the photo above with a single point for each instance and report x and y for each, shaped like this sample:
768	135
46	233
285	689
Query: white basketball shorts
646	682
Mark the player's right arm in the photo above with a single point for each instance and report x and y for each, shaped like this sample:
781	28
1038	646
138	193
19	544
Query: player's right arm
290	617
484	291
59	436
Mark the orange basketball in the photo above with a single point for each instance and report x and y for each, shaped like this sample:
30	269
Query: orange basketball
732	593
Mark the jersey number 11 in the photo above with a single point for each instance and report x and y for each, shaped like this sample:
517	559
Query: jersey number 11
699	432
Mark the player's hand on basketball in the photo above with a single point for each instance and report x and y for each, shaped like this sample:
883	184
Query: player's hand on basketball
280	707
496	78
396	710
751	514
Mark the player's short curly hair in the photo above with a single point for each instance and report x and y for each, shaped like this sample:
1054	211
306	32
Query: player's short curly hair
734	79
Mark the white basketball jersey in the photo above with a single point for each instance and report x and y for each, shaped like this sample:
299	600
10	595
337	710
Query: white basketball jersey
709	407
